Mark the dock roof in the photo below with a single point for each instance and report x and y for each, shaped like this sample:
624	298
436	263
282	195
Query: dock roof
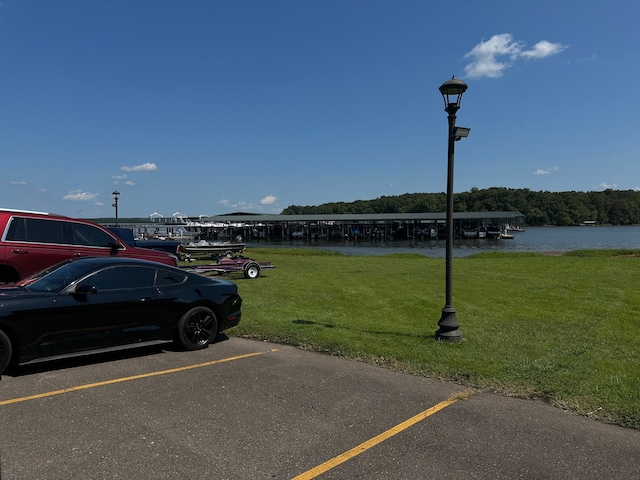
364	217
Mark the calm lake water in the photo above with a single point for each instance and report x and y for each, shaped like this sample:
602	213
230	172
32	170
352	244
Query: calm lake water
533	239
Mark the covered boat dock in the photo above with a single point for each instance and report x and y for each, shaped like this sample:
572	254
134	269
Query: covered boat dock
317	226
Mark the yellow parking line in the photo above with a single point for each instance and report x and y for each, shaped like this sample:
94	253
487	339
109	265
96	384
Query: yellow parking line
334	462
134	377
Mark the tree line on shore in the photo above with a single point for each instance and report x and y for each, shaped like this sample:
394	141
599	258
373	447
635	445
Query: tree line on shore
613	207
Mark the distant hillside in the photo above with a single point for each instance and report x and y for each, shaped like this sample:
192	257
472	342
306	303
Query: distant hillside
614	207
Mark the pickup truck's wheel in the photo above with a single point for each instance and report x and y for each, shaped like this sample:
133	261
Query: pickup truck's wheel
252	270
197	328
8	274
5	351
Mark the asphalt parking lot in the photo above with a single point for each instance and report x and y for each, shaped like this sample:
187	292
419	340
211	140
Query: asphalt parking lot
243	409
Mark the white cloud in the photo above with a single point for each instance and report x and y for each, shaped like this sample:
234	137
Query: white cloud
239	205
543	49
546	171
80	196
606	186
228	203
129	183
145	167
591	58
484	56
492	57
117	178
244	206
19	182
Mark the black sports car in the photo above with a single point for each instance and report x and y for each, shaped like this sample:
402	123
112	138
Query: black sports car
93	305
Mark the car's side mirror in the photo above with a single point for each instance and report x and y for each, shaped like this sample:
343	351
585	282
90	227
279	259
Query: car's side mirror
85	290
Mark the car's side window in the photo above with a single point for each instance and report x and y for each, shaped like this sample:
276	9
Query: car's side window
90	236
121	277
169	277
36	230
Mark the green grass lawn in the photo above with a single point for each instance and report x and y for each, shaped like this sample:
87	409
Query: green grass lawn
565	329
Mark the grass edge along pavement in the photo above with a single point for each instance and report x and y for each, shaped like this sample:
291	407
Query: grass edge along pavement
561	328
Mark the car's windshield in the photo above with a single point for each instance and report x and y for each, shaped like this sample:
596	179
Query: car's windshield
56	277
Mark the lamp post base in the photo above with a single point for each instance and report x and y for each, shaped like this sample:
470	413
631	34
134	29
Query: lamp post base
449	326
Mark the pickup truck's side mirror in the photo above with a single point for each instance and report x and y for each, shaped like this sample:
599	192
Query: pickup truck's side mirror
115	246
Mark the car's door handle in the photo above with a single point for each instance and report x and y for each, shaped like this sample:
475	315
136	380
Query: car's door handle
17	251
146	299
80	254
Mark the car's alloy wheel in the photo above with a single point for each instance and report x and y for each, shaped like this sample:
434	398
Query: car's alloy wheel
197	328
5	351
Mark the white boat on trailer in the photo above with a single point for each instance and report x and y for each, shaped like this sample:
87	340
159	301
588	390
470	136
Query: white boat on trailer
212	249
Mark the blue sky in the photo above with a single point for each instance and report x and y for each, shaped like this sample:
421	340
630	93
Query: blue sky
207	107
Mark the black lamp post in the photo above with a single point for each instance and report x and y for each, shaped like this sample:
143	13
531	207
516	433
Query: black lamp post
116	195
451	91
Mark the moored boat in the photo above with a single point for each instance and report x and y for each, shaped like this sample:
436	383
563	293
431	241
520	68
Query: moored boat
493	231
469	233
505	235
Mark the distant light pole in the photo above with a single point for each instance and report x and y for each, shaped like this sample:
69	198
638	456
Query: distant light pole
451	91
116	195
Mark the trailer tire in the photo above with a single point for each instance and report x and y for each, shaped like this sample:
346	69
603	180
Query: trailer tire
251	270
229	254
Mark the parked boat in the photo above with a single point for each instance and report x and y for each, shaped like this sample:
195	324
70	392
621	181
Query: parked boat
204	248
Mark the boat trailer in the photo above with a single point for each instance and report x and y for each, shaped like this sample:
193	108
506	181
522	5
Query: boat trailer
250	268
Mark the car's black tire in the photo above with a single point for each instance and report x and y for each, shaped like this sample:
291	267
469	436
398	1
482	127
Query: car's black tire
5	351
197	328
251	270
